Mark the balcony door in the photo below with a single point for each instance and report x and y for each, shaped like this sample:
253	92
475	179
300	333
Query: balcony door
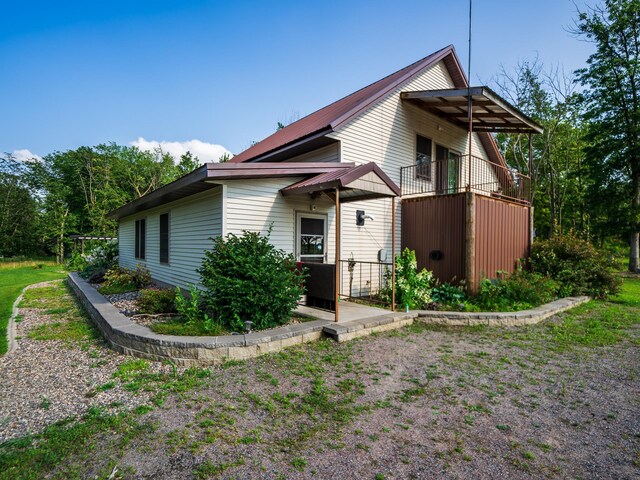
311	237
447	170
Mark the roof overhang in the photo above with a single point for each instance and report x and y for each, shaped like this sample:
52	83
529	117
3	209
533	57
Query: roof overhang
362	182
210	175
490	112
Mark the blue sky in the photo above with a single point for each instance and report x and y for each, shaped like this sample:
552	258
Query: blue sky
83	73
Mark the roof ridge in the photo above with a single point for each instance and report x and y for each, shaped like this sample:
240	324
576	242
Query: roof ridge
351	104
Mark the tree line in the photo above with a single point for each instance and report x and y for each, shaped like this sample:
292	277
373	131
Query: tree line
585	171
44	201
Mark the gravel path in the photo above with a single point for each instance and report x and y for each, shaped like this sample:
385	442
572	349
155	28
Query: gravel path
45	381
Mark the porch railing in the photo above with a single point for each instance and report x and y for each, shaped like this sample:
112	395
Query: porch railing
462	173
368	281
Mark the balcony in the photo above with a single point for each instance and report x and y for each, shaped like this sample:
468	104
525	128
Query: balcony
465	173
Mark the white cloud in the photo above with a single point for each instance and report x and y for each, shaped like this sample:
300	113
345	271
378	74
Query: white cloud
24	155
206	152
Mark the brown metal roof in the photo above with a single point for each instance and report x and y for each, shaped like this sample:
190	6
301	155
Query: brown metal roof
205	177
349	181
332	116
491	113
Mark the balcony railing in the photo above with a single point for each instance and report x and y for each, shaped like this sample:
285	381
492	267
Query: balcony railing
463	173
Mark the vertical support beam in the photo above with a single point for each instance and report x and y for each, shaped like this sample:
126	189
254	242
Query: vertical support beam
82	243
470	243
337	279
530	168
393	254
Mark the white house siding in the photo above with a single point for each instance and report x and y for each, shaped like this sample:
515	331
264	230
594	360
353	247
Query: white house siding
386	134
192	223
330	153
255	204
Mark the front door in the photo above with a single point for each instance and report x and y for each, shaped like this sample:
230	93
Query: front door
311	237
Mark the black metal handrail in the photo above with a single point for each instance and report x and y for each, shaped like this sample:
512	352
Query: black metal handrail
465	173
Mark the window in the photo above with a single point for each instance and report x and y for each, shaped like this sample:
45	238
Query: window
141	238
311	237
164	238
423	158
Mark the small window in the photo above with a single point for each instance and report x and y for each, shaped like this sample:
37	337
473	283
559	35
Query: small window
423	158
141	238
164	238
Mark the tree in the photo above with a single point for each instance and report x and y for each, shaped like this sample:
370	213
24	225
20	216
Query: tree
18	211
548	97
612	105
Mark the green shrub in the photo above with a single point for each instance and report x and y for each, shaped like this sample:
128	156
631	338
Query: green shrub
448	295
153	301
576	265
76	262
190	309
141	276
117	280
413	288
247	279
99	261
520	290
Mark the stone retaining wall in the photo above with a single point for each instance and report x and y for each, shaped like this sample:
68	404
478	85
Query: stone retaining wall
504	319
128	337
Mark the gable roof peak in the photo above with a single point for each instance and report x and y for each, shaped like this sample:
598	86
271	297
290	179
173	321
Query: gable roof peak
337	113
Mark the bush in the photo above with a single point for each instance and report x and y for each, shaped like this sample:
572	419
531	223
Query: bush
413	288
576	265
519	291
153	301
76	262
449	295
99	261
247	279
141	276
117	280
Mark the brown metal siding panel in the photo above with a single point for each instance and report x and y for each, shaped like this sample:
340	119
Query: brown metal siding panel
436	223
502	236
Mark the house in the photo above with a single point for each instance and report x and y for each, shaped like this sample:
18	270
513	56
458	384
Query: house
396	164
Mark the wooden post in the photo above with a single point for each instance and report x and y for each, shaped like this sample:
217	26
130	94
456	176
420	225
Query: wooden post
531	230
393	254
82	243
337	280
470	243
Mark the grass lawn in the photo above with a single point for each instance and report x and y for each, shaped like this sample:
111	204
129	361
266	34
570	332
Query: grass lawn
553	400
13	278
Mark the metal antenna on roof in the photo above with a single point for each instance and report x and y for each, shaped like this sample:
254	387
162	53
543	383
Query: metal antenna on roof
469	103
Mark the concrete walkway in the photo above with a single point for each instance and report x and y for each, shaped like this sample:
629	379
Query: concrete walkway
347	311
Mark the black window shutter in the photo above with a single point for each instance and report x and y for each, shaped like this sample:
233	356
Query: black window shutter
164	238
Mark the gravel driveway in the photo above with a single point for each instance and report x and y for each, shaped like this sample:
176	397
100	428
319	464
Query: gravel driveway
421	402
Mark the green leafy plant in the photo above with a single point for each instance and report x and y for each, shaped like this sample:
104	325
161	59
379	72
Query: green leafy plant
117	280
448	295
141	276
76	262
413	288
517	291
153	301
99	260
246	278
190	308
576	265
